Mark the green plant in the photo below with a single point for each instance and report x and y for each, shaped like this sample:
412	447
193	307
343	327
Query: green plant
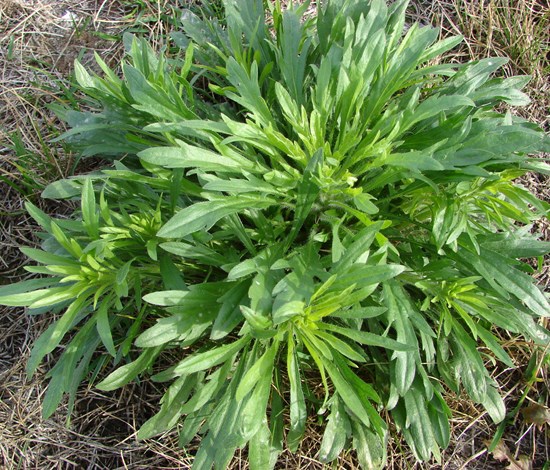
299	197
32	170
32	162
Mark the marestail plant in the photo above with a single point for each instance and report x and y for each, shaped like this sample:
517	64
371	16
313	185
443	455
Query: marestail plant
313	214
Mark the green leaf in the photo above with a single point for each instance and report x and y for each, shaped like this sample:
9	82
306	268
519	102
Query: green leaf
435	105
45	257
469	367
198	296
359	246
259	450
216	450
170	410
369	339
364	275
189	156
276	418
39	298
494	266
238	186
439	412
293	53
225	423
255	406
440	47
166	330
171	274
298	412
229	315
413	160
69	244
40	217
370	448
258	322
195	251
126	373
191	425
494	404
243	269
203	215
363	203
84	79
336	432
258	371
287	311
168	298
352	391
308	190
207	391
103	325
24	287
202	361
419	424
250	96
516	247
403	365
190	124
54	394
51	338
90	216
360	312
492	343
122	273
341	346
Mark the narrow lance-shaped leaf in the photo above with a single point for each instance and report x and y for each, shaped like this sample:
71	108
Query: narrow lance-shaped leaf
439	413
370	447
367	338
308	190
169	413
259	450
189	156
510	279
336	432
357	248
403	363
128	372
103	325
250	96
202	361
298	413
51	338
39	297
364	275
90	216
350	394
494	404
229	315
419	423
203	215
258	370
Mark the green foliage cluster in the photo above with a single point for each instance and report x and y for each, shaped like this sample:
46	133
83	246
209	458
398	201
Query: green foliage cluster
310	215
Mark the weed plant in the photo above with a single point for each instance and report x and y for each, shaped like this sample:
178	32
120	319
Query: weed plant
293	197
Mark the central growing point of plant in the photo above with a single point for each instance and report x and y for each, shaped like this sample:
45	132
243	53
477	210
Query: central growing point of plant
312	214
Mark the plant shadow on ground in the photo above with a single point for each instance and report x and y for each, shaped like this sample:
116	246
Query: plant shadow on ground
102	432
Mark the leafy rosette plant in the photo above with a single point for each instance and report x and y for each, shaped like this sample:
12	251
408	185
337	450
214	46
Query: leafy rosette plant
317	218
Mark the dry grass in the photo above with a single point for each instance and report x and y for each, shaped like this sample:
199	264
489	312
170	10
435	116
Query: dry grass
39	39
